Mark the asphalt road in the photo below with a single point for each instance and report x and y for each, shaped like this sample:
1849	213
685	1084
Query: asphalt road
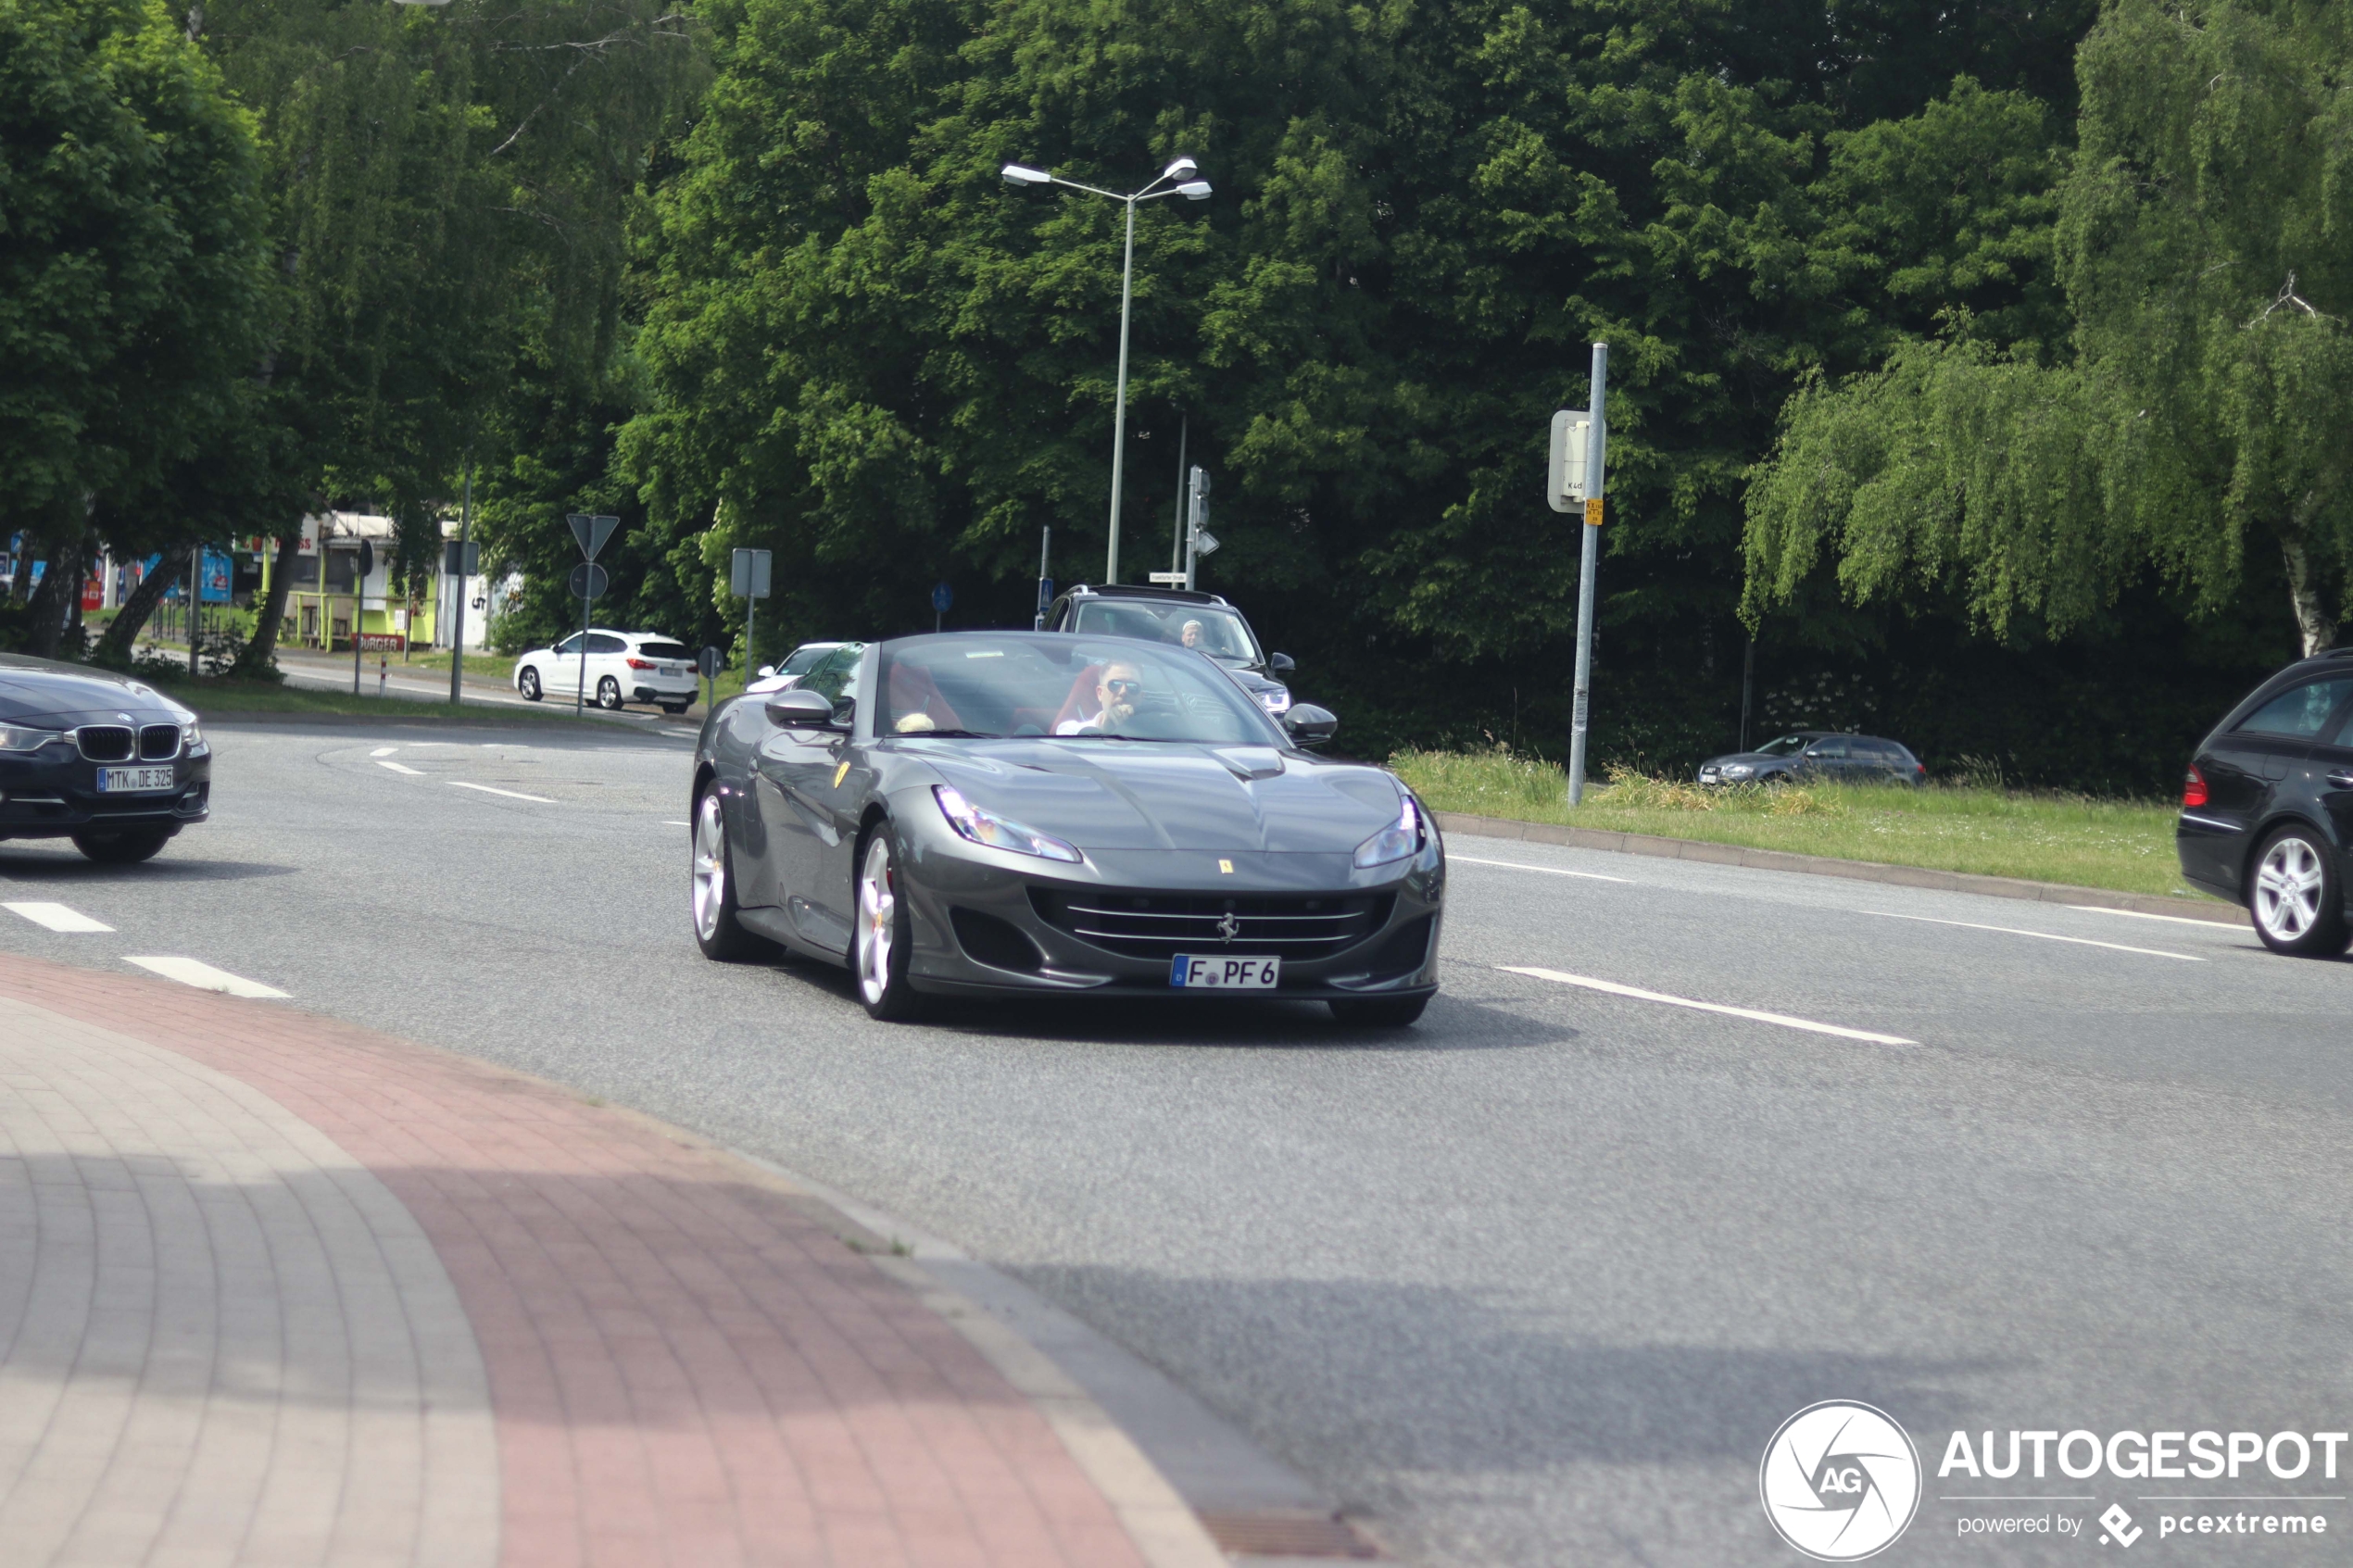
1532	1284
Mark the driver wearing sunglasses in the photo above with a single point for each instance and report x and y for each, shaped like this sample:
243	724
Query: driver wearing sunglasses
1116	693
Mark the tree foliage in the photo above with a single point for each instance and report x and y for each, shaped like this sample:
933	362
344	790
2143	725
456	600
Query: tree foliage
2203	240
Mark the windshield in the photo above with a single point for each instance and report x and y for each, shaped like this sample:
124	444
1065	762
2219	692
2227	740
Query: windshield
1219	632
1788	746
805	658
1071	687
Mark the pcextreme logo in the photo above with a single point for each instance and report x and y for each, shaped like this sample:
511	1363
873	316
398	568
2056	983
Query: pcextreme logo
1840	1480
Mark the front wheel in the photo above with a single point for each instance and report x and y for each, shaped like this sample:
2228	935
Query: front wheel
717	933
879	943
609	693
1378	1012
529	682
121	846
2296	901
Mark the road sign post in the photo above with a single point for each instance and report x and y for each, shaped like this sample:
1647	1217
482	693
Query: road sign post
588	585
1597	431
1199	540
747	579
942	595
708	661
463	561
1045	582
364	569
589	582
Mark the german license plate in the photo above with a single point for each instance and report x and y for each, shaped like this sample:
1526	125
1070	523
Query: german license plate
1223	972
128	781
674	669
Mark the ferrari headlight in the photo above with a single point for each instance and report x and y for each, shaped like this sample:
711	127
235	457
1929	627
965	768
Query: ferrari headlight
986	827
1395	842
15	739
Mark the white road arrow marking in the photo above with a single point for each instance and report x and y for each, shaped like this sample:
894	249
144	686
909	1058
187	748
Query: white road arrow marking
486	789
397	768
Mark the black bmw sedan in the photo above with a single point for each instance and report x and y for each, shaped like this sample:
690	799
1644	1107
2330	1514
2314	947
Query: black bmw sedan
2267	806
103	760
1037	814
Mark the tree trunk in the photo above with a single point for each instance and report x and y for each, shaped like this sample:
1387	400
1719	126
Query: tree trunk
131	618
258	659
60	585
2313	623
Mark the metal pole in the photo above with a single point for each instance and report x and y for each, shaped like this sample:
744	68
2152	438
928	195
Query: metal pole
465	532
195	596
1176	546
1748	679
1045	569
580	693
358	613
751	614
1588	560
1119	414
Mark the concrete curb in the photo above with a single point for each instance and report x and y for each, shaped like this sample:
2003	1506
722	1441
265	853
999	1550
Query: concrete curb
2202	909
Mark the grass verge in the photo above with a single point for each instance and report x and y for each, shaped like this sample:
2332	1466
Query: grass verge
2123	844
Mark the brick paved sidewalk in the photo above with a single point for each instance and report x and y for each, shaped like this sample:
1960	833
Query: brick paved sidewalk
276	1290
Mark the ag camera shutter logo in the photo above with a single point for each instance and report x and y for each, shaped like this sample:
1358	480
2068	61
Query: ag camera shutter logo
1841	1481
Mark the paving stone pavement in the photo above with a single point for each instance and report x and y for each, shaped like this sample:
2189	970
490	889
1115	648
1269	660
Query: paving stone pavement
277	1290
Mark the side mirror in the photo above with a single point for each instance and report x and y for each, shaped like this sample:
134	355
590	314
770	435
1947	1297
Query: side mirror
1309	725
797	710
766	670
1280	664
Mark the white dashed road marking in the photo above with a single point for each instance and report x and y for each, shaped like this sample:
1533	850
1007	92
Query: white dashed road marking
2042	936
56	917
1548	871
1638	994
2144	914
204	977
460	783
400	768
668	823
383	751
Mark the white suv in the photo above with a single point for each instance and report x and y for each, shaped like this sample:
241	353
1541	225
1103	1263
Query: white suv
622	667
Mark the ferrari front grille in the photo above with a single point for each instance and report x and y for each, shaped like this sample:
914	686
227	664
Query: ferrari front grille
1159	926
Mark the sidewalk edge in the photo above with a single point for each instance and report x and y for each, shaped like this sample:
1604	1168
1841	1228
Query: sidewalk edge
2212	909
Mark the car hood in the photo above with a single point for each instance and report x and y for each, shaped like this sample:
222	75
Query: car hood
1754	758
60	695
1153	795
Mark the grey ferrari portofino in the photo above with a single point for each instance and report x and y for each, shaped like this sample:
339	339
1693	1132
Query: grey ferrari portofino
1030	814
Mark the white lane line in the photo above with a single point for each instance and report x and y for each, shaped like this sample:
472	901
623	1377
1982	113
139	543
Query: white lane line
1548	871
56	917
402	768
685	735
204	977
512	794
383	751
668	823
2041	935
2142	914
1638	994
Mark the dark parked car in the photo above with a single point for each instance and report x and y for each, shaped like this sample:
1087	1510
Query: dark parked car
1203	623
2267	806
1022	813
101	758
1816	754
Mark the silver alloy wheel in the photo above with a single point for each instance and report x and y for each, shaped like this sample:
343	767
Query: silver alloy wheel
710	867
878	917
2288	887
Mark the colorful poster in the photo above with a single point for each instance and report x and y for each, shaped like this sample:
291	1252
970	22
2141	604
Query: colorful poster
215	577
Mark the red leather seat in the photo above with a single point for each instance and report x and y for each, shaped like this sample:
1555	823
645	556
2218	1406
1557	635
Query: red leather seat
1082	703
914	691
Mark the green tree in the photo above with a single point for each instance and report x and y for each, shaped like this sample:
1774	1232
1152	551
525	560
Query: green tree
2203	238
132	288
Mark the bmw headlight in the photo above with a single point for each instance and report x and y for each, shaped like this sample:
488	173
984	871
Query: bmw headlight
986	827
191	737
15	739
1738	771
1395	842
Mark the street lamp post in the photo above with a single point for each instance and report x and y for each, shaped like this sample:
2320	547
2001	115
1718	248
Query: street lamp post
1182	171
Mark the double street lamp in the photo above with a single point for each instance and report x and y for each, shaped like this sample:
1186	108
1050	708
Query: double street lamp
1179	179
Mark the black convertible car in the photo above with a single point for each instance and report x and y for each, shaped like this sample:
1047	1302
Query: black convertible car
101	758
1022	813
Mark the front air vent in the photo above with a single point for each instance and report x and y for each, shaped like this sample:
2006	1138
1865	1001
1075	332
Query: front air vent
999	944
104	742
